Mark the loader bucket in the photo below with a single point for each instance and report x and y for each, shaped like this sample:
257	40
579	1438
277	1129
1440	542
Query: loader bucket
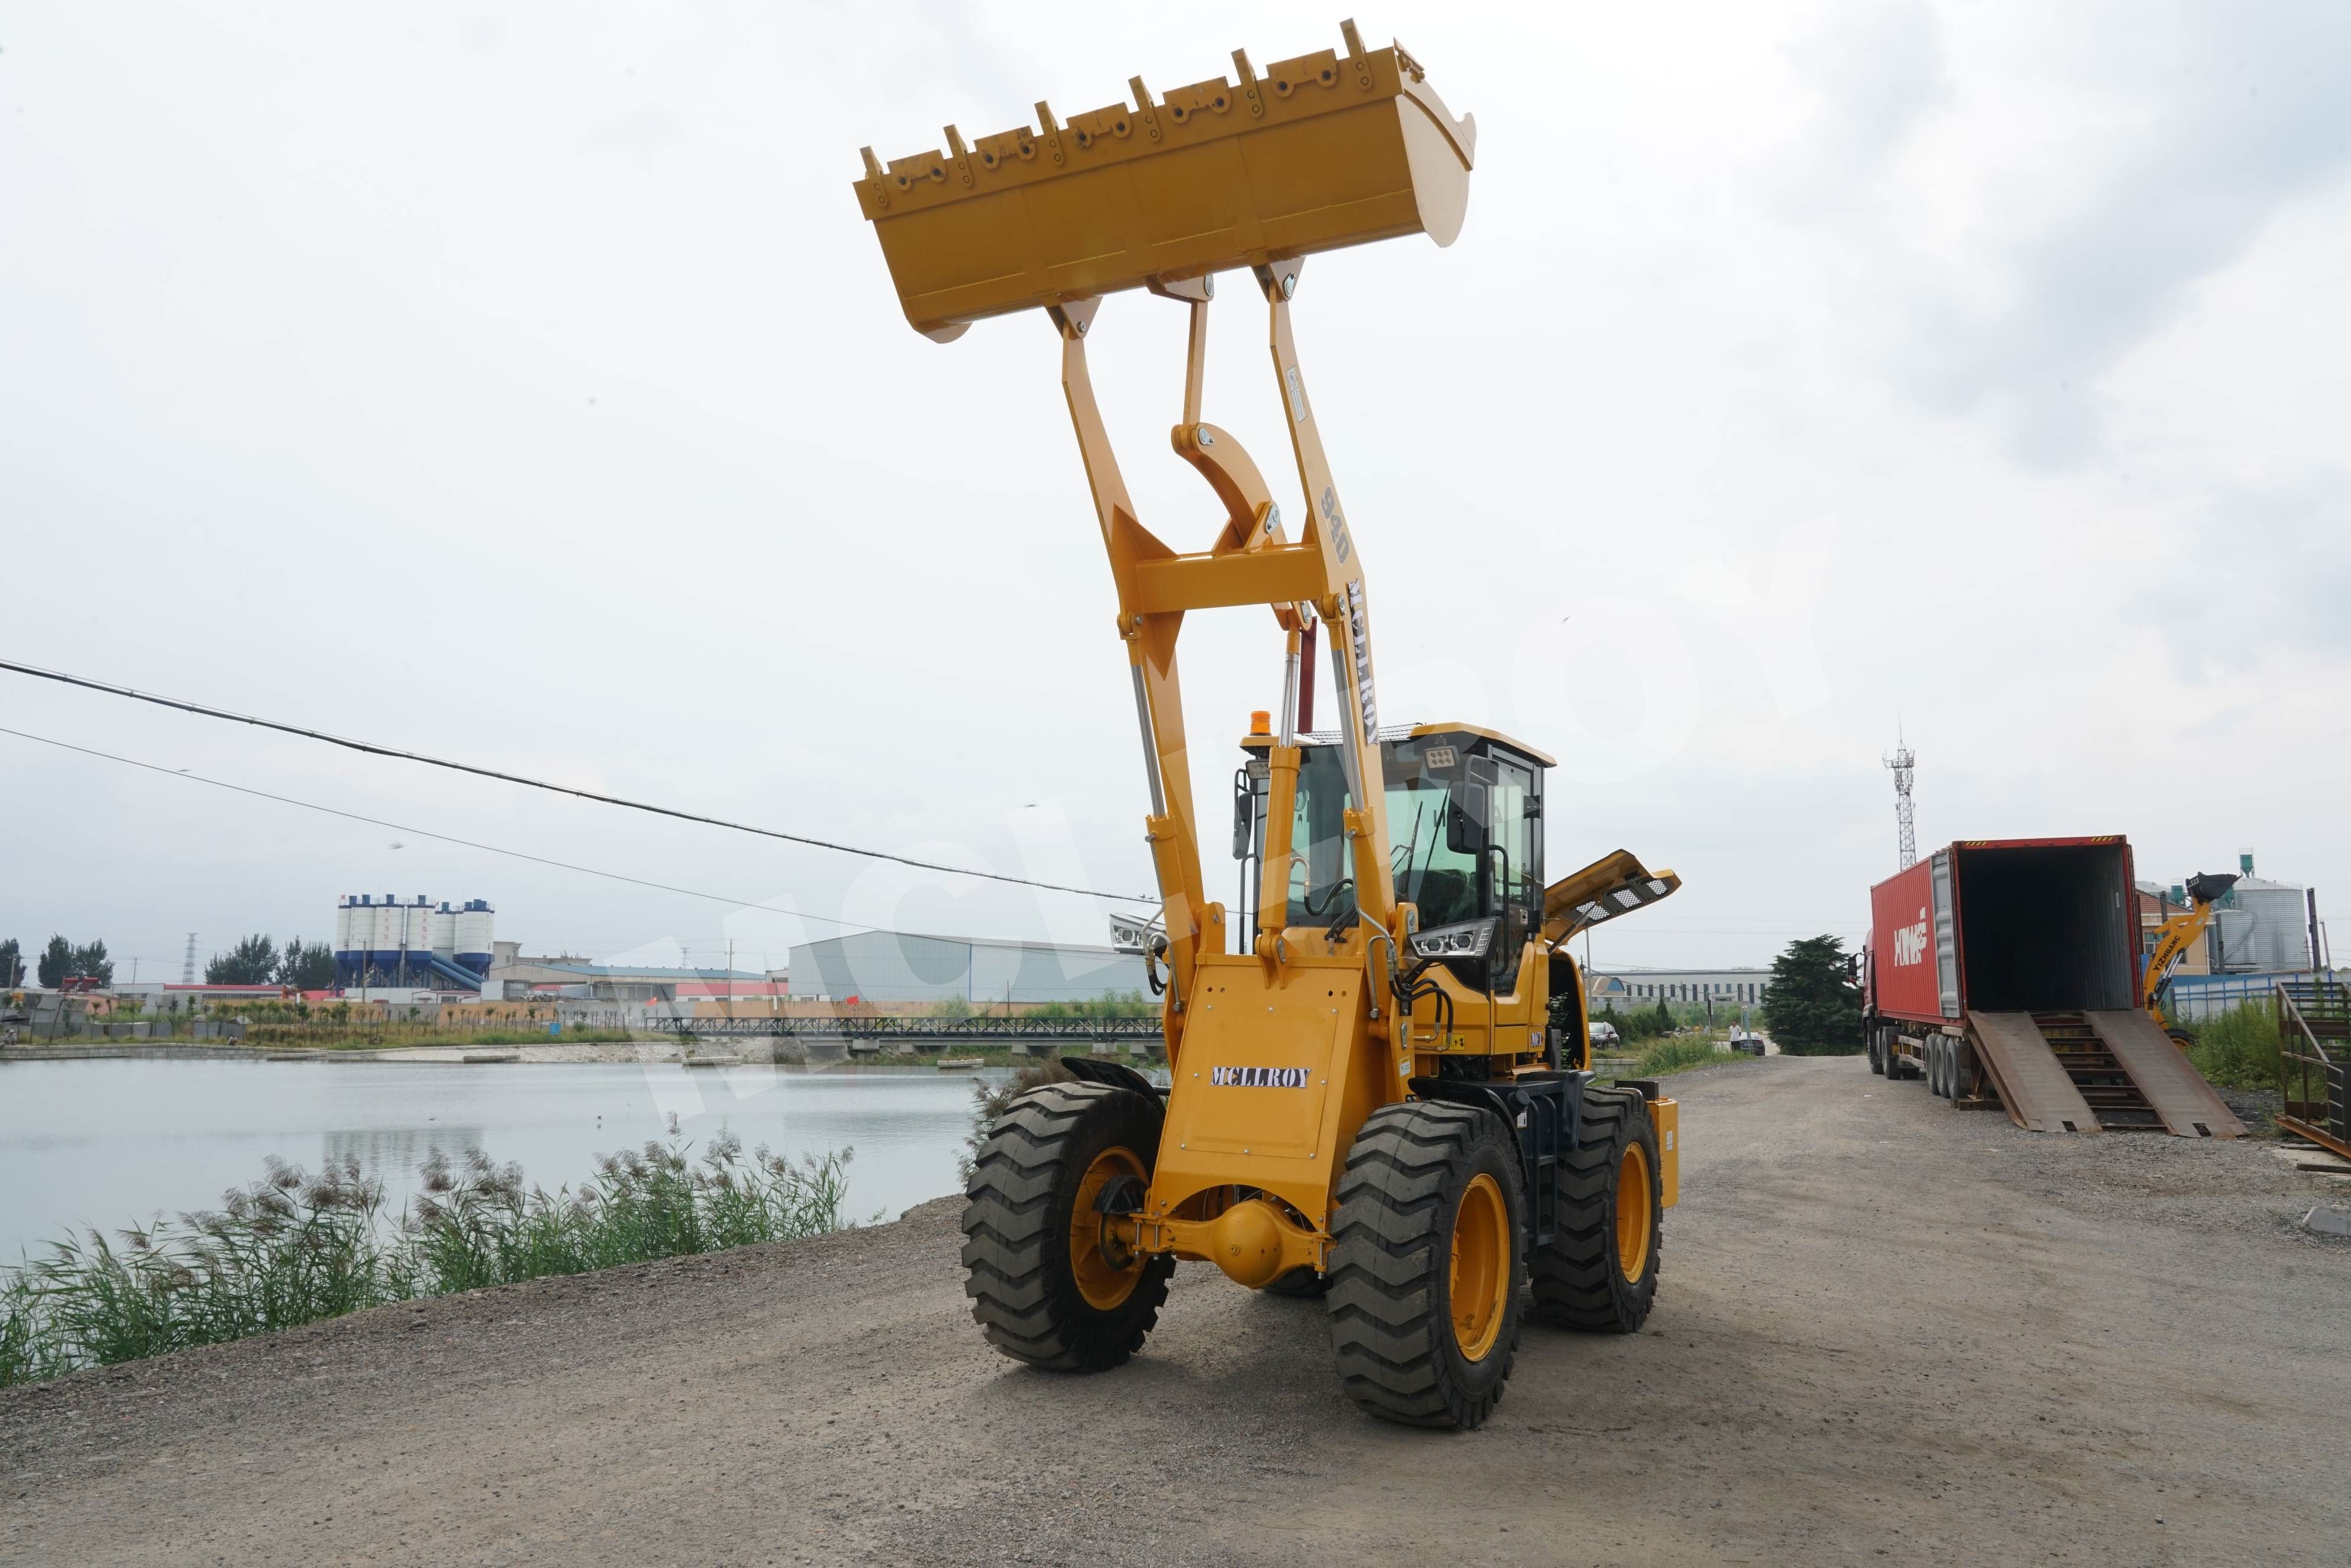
1320	152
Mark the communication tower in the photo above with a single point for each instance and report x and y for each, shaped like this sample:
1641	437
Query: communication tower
188	964
1905	763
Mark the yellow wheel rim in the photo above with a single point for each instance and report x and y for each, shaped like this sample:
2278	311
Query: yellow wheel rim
1481	1267
1633	1212
1103	1280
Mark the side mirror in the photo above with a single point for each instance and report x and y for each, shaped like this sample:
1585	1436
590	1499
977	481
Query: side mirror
1464	821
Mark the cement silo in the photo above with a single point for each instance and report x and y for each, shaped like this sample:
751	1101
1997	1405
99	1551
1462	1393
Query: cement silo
2265	927
384	947
390	941
476	925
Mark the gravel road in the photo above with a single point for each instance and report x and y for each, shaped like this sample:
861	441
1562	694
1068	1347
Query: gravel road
1889	1331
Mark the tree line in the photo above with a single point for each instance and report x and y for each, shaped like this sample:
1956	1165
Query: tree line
60	961
255	961
1811	1007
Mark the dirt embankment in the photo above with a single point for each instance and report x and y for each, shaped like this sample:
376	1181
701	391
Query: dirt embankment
1889	1331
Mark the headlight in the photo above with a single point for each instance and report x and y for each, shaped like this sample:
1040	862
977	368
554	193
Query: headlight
1469	940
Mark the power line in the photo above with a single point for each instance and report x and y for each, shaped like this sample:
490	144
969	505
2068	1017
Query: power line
449	839
372	750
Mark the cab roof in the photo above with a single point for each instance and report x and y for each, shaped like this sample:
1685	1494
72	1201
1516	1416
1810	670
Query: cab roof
1394	732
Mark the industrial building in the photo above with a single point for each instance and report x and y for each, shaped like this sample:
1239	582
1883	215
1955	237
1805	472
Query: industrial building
1635	987
513	975
885	966
389	942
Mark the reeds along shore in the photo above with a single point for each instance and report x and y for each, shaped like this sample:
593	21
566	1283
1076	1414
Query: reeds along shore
295	1246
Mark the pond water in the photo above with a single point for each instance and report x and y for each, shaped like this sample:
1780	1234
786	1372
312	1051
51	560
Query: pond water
111	1142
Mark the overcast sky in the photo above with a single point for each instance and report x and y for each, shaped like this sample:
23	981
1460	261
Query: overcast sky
521	385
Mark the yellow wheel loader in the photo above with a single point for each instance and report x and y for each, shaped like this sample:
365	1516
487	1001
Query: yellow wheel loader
1380	1088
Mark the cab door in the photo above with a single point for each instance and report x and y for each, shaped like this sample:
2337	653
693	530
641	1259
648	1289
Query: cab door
1514	882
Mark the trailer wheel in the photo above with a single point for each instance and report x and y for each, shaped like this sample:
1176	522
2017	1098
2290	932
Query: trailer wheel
1428	1264
1044	1286
1877	1053
1600	1272
1935	1066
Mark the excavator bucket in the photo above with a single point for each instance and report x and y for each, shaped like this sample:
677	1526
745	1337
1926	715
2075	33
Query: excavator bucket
1320	152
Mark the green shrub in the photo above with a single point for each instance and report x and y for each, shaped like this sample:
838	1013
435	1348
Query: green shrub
1678	1053
293	1249
2237	1049
1110	1005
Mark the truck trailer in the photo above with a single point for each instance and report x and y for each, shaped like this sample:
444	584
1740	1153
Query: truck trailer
2007	972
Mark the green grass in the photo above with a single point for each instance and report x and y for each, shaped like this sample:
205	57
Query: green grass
294	1248
1676	1054
2239	1049
1680	1053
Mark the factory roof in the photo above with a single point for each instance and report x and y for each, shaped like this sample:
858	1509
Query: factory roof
1039	944
638	971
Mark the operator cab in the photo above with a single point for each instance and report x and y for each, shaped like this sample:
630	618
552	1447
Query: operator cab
1464	826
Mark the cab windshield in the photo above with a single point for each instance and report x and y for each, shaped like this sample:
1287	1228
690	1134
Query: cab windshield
1448	810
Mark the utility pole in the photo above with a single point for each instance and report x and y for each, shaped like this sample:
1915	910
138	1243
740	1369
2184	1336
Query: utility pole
1904	762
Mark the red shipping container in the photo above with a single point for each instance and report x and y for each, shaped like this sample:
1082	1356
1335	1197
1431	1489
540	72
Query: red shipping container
1902	944
2006	926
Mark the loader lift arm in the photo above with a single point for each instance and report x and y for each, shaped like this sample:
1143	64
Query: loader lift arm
2178	934
1251	562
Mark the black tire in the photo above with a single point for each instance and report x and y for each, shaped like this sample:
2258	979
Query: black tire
1300	1283
1020	1265
1400	1201
1580	1279
1935	1067
1877	1053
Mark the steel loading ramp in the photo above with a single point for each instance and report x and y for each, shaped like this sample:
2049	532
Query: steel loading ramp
2033	1085
2175	1090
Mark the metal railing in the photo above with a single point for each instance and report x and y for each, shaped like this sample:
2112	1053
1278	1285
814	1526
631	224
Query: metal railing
944	1030
2314	1062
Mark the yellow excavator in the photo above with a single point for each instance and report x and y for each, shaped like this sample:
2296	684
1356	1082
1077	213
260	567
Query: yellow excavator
1379	1071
